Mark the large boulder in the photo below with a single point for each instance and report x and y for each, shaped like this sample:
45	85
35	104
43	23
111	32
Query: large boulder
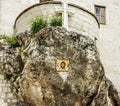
62	69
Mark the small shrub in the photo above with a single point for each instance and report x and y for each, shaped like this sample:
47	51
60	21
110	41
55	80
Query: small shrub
11	41
8	76
2	36
38	23
56	21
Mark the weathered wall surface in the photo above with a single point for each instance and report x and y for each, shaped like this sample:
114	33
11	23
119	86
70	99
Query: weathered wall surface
46	9
7	97
9	10
82	21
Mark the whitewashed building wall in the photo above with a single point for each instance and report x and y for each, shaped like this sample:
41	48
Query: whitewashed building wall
9	10
109	40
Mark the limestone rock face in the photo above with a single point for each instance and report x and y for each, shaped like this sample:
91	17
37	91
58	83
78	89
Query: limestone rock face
63	69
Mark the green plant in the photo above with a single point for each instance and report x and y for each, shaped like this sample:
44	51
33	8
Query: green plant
11	41
38	23
2	36
56	21
8	76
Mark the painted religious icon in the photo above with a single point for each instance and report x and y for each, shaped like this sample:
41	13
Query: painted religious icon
62	65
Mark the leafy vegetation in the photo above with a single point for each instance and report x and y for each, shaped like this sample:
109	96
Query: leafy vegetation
41	22
11	41
38	23
8	76
56	21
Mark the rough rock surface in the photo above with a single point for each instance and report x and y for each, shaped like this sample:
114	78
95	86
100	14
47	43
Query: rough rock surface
83	84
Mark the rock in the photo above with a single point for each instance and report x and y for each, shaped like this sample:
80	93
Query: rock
63	69
13	64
